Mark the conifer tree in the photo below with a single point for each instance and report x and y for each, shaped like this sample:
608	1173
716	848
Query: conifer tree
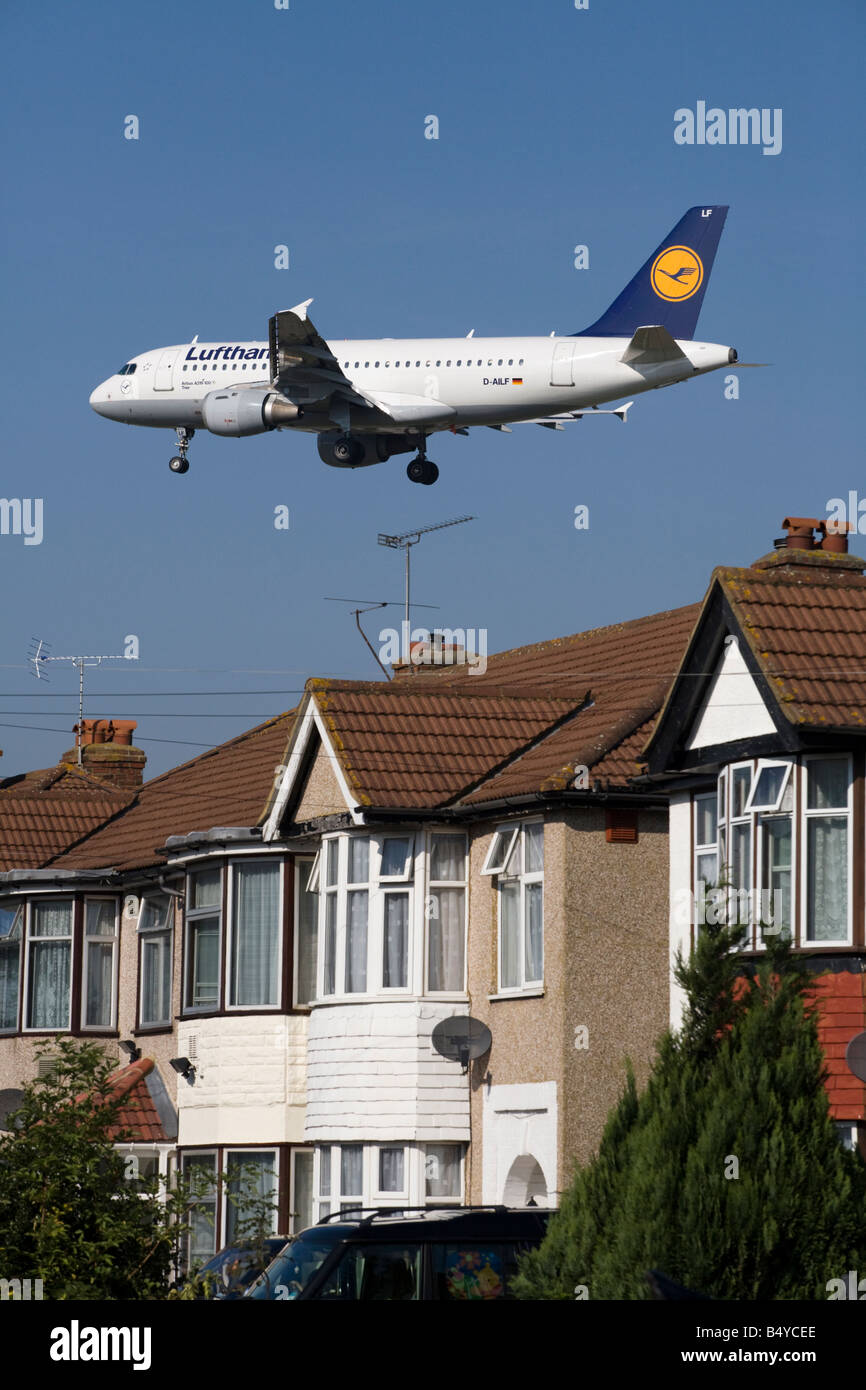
726	1173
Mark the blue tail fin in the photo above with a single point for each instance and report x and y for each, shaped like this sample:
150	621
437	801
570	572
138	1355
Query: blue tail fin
669	288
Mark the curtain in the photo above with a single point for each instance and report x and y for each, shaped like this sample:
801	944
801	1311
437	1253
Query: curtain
396	943
206	889
446	939
775	908
533	941
356	941
442	1170
533	839
50	965
249	1191
100	916
256	936
156	978
509	932
308	934
391	1170
828	878
302	1196
351	1170
359	859
448	858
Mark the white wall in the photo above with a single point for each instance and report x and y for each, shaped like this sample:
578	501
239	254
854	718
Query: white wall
680	908
372	1074
518	1120
733	707
250	1080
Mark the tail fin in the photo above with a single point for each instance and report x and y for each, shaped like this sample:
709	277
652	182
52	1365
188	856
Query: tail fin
669	288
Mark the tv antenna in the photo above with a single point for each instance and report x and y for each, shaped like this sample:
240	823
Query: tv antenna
40	654
372	605
410	538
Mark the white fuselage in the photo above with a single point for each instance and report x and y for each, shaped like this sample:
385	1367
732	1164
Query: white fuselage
426	384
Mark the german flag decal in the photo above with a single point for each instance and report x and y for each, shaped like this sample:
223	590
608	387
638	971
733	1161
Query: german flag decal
517	381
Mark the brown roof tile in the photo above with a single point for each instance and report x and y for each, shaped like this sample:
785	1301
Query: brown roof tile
46	812
228	785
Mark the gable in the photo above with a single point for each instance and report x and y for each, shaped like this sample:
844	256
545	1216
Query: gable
733	708
320	793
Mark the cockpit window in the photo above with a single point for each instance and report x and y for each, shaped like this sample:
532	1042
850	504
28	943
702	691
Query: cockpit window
127	369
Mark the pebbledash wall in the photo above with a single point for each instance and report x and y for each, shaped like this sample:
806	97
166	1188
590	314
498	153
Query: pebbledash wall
557	1064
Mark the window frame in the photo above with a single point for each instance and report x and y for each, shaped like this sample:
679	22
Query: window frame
227	961
817	813
490	869
164	934
191	915
27	1026
18	908
114	939
524	878
767	808
227	1157
297	869
432	885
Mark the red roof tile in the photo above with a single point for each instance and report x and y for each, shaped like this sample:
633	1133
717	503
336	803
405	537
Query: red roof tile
44	813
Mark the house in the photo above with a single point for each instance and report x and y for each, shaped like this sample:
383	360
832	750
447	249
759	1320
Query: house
280	924
760	746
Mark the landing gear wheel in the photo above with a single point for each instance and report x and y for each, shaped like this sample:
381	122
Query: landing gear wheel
422	470
179	463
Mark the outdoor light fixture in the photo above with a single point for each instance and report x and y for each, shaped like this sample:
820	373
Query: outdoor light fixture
130	1048
183	1066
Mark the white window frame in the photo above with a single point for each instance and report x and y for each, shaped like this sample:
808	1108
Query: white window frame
446	883
297	1222
524	877
767	808
500	835
29	939
164	932
408	864
190	916
457	1198
188	1159
806	815
726	826
227	963
377	890
85	965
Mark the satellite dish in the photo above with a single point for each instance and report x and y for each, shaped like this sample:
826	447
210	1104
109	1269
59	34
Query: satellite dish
461	1039
855	1055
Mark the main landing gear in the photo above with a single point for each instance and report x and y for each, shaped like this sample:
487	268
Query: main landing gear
180	462
421	469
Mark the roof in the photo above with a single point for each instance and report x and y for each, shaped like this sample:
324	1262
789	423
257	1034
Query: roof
447	737
137	1119
46	812
805	622
227	785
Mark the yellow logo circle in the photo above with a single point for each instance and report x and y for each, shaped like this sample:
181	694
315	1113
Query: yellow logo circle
677	273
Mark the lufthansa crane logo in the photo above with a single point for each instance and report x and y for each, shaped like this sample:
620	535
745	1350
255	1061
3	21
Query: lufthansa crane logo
677	273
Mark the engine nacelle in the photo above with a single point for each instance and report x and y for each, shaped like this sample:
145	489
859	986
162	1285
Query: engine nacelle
341	450
239	413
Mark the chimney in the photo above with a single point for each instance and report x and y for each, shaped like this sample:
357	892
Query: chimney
812	542
104	750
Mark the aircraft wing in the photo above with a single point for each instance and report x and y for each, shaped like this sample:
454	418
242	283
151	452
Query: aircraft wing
558	422
304	367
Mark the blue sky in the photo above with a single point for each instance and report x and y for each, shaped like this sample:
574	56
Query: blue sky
305	127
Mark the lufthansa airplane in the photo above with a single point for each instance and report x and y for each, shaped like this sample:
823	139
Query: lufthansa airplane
369	399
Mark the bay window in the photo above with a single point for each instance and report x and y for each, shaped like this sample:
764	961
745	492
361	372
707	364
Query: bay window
11	934
100	963
156	941
516	857
49	965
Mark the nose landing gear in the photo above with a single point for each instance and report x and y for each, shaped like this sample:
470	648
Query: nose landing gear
180	462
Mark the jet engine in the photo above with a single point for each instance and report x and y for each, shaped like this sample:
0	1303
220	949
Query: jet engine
360	450
239	413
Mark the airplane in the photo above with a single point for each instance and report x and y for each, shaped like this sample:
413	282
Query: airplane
369	399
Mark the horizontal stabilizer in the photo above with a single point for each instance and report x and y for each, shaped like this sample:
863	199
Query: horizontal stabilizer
652	344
